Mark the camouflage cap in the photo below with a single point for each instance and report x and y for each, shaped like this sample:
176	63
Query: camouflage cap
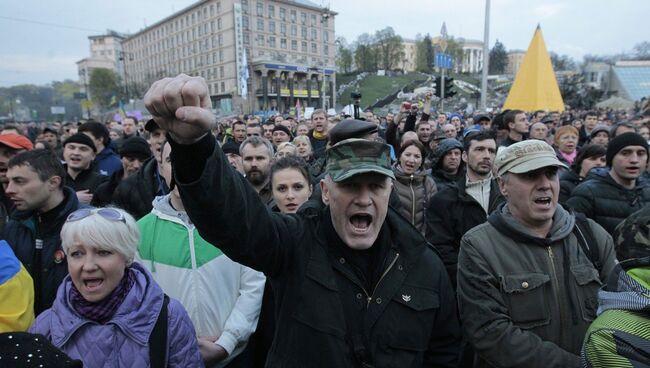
632	236
358	156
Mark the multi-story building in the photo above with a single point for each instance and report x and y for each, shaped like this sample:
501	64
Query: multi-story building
105	52
472	56
254	54
408	63
515	59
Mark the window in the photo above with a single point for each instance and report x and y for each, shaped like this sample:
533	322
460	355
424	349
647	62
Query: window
294	30
218	7
260	24
294	45
221	56
283	29
326	50
260	40
244	22
283	14
272	41
219	23
326	36
221	71
314	34
314	48
220	38
272	26
303	18
223	87
303	32
293	16
260	9
247	39
283	43
271	11
304	46
313	20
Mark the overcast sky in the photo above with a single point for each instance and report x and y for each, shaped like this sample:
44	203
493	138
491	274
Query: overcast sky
42	40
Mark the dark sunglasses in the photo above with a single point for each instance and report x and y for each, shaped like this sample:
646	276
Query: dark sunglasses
110	214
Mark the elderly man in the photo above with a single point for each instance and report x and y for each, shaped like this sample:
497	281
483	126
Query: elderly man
355	284
528	278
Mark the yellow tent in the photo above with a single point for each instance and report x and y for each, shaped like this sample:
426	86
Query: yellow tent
535	86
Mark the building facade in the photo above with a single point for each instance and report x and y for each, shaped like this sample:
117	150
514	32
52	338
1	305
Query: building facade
255	55
409	63
472	56
515	59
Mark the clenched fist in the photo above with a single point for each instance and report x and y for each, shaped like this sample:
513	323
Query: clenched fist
182	106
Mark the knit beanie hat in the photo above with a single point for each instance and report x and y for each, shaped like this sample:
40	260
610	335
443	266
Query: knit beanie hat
284	129
135	147
622	141
81	138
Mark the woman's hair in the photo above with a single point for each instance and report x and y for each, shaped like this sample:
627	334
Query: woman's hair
563	130
291	162
588	151
301	138
410	143
283	145
96	231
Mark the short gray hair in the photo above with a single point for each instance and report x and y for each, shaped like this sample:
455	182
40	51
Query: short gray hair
256	141
97	232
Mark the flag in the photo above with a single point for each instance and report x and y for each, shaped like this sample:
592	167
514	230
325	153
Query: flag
113	101
120	109
244	75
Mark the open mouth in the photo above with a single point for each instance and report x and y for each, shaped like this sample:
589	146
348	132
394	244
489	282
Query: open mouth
92	284
360	222
544	201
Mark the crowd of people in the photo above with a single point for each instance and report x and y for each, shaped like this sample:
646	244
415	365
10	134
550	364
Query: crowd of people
414	239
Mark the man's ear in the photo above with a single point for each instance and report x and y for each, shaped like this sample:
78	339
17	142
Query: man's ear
54	182
325	192
464	156
502	187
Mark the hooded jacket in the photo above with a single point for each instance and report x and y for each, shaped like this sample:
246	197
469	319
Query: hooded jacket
136	193
605	201
124	340
442	178
21	232
107	162
414	192
323	308
527	301
620	336
223	298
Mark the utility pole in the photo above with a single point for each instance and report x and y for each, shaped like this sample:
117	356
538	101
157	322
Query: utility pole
443	47
486	57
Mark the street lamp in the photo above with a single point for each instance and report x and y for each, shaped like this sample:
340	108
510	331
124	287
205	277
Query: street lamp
84	72
325	15
122	58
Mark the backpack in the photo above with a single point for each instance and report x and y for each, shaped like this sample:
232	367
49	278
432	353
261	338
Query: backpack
158	338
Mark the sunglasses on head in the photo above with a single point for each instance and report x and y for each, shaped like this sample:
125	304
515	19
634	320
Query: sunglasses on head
110	214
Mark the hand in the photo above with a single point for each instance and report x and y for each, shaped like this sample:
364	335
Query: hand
210	352
181	106
428	96
84	196
403	107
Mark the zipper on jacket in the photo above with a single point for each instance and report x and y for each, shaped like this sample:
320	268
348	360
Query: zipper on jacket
412	201
381	278
556	286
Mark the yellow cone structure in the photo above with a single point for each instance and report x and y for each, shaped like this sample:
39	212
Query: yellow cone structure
535	86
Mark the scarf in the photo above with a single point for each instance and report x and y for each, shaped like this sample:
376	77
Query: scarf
103	310
319	136
569	157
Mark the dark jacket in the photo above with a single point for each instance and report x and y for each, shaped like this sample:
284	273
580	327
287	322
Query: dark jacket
107	162
21	232
450	214
407	320
414	192
135	194
569	180
86	180
103	195
317	145
527	301
605	201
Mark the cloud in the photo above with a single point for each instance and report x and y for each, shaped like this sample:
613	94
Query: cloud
545	11
22	68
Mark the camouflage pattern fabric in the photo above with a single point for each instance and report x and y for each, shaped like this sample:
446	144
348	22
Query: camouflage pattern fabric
356	156
632	236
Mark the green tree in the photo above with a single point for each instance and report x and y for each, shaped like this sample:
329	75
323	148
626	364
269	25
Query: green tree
424	55
562	62
642	50
365	54
104	84
344	57
498	59
389	48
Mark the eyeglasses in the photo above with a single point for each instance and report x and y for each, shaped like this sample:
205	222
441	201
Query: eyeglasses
110	214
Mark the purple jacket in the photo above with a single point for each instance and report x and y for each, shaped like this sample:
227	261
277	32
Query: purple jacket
123	341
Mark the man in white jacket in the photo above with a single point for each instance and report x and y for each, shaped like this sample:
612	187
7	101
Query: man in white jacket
222	297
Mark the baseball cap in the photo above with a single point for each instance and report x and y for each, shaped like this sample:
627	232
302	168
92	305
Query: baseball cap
351	128
526	156
151	126
16	141
355	156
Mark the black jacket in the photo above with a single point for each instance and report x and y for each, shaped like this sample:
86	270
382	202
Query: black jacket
409	318
603	200
569	180
450	214
87	179
135	193
443	179
21	232
103	195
